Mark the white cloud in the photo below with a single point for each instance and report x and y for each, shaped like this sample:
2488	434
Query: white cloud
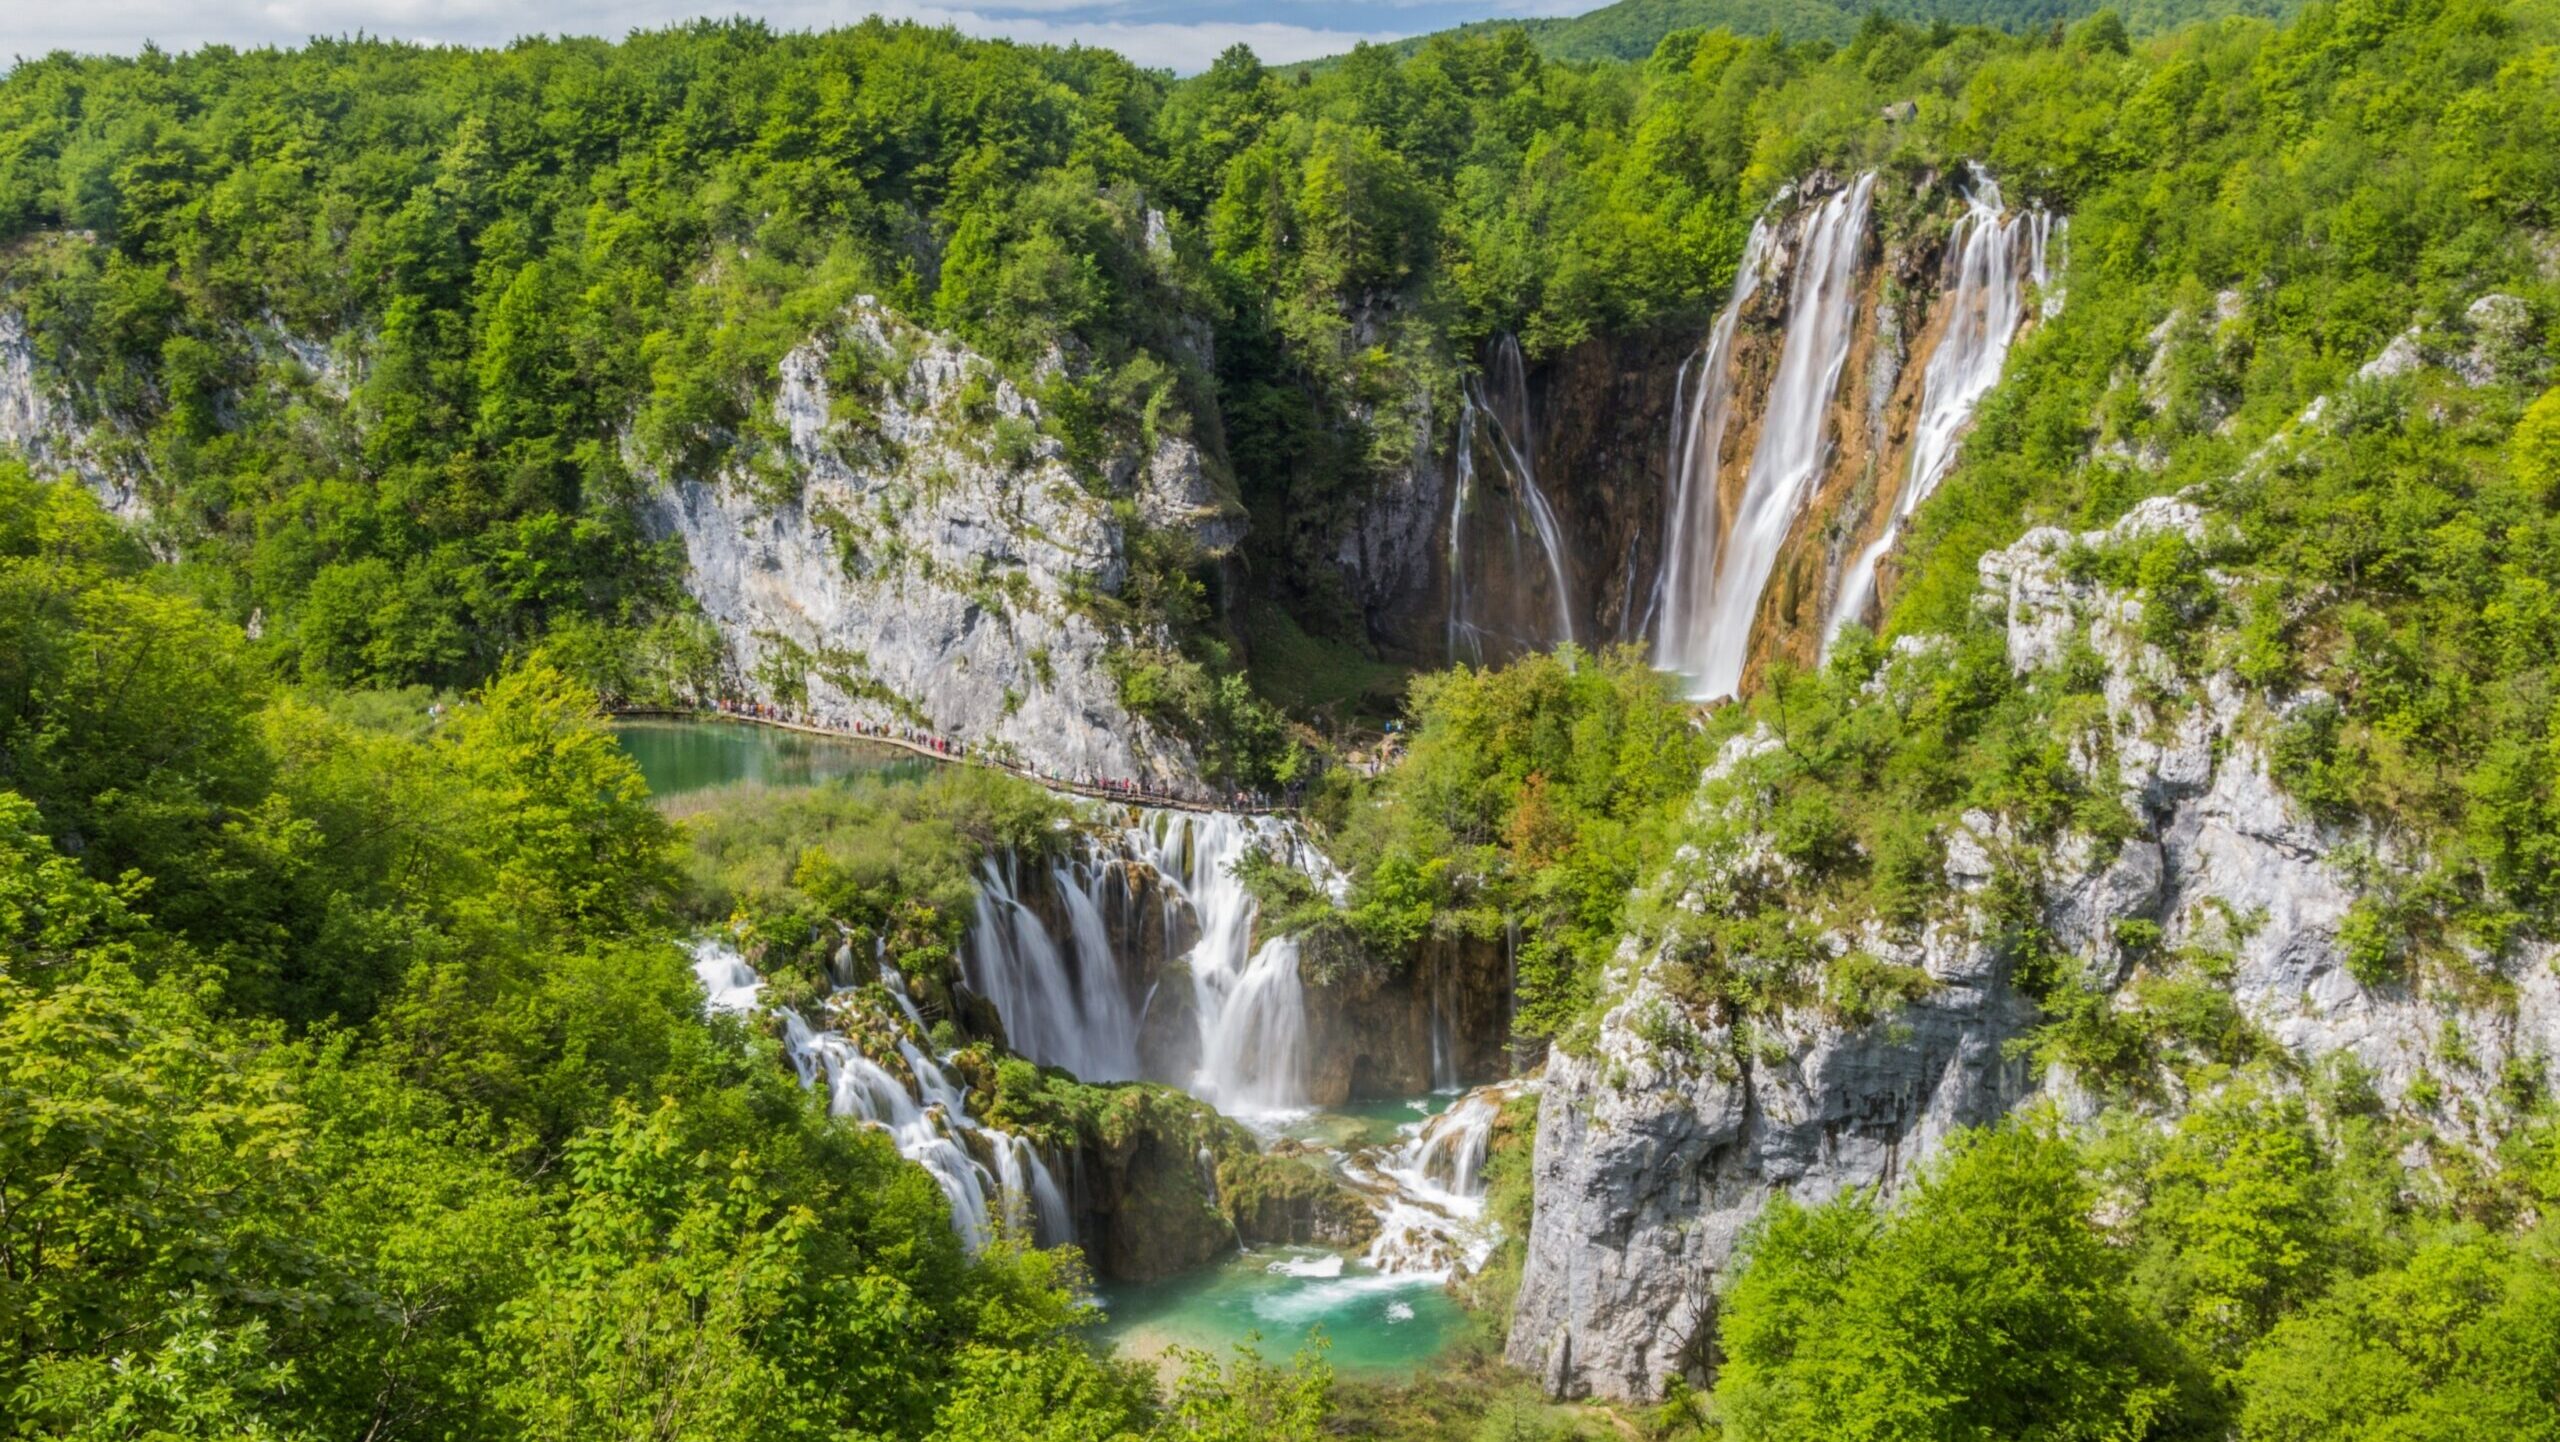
122	26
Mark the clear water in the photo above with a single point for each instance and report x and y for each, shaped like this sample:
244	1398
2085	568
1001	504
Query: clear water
1366	1124
1379	1326
680	756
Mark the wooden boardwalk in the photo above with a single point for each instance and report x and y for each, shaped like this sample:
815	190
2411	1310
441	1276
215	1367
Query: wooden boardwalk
931	752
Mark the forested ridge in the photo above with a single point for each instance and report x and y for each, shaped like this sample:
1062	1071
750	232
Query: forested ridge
1630	29
352	1078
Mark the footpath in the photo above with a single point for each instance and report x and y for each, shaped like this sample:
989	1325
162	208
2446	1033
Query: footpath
954	753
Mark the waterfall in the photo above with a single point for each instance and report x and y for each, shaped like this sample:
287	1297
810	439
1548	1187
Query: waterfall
2046	230
1066	1001
1063	1006
1428	1188
1250	1004
1444	1036
1493	417
1985	303
1683	585
926	1114
1794	443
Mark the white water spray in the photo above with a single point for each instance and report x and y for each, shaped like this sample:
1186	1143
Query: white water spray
1065	1000
926	1114
1684	593
1250	1003
1986	300
1428	1188
1494	416
1062	1005
1714	640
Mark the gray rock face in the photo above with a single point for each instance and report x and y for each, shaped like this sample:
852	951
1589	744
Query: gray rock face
1651	1163
2491	343
1653	1156
1387	555
931	562
36	422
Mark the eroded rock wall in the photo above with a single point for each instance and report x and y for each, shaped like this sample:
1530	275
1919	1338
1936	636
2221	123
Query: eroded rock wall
1659	1144
37	421
922	557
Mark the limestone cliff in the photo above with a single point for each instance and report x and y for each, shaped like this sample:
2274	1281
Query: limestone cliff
38	422
1660	1142
914	552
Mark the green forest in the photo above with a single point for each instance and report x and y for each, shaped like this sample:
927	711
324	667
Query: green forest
353	1078
1630	29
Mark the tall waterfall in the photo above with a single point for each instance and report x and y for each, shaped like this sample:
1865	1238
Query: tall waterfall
1734	566
1494	610
990	1177
1986	300
1684	586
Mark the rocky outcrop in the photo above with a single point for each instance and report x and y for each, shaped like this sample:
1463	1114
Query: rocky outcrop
37	422
1291	1196
1659	1143
1391	557
1439	1018
916	553
1652	1159
1595	416
1145	1191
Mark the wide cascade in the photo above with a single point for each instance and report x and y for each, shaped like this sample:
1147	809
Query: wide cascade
1727	564
1067	1000
1508	587
1063	1002
1251	1007
1986	286
991	1177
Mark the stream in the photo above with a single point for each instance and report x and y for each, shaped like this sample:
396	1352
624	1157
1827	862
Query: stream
1380	1325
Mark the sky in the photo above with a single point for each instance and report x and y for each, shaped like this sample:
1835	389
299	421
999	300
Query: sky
1167	33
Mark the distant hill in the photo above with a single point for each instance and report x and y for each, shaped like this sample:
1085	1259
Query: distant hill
1629	29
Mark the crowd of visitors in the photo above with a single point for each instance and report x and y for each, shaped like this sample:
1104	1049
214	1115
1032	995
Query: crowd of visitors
916	738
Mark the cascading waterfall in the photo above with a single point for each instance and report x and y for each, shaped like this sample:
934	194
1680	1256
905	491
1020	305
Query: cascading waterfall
1986	302
926	1115
1064	1006
1493	417
1684	583
1251	1006
1428	1188
1066	1002
1794	443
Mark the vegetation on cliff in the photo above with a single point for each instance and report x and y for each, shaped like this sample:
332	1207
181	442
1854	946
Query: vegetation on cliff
1529	802
355	1081
2262	1269
352	1080
798	873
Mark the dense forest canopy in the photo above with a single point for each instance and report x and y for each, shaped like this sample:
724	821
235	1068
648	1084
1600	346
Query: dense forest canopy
1630	29
352	1081
559	266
